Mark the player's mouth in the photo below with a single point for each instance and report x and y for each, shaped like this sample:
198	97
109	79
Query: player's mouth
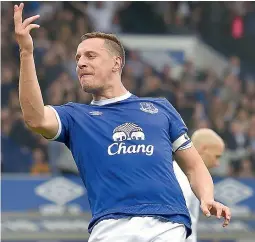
85	75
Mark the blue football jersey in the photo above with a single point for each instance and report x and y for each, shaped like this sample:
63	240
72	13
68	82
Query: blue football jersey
123	150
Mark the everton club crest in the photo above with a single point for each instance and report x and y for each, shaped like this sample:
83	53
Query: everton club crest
148	107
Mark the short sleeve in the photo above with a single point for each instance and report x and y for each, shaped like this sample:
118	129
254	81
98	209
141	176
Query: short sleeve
64	118
177	129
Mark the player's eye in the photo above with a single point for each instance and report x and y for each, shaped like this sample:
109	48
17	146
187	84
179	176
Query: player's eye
91	56
77	58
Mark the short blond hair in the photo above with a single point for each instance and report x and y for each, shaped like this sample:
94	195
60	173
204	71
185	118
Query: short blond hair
111	41
206	136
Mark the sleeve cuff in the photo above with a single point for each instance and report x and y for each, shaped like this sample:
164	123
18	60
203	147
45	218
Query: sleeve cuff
59	124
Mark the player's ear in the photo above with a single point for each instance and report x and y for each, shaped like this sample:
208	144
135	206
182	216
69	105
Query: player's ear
117	64
203	147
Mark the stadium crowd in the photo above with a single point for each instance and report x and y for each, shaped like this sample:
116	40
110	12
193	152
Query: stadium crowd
226	104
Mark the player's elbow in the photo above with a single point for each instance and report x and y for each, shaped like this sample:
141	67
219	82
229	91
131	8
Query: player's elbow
34	125
46	125
39	128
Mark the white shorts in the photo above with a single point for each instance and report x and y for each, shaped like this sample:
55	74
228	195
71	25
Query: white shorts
138	229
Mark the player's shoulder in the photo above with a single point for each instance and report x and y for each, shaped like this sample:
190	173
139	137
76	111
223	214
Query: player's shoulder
72	106
155	100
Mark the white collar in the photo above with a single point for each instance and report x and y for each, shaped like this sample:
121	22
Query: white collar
111	100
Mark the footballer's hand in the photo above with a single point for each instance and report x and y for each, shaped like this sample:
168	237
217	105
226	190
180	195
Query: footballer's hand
217	209
22	29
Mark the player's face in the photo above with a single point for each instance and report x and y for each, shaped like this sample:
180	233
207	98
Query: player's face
94	65
211	154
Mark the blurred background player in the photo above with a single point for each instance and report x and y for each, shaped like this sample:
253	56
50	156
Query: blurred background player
112	182
210	147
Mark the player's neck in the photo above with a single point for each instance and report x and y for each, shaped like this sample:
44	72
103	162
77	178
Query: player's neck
111	92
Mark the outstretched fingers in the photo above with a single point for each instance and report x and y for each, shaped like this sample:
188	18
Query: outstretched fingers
32	26
18	14
30	20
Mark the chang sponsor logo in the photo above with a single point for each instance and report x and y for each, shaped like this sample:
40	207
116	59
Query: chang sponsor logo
125	132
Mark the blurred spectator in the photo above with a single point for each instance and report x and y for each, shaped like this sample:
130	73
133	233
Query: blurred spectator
237	145
40	165
101	15
135	64
144	19
151	83
61	159
251	138
234	66
6	121
236	138
7	84
246	169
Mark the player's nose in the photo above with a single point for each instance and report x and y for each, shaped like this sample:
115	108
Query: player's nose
82	63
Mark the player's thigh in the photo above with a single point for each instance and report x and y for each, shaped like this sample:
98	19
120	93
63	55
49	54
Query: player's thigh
175	233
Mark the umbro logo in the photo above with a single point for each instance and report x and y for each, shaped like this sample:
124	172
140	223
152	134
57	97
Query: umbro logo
95	113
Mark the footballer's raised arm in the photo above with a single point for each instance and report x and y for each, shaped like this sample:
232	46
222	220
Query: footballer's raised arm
39	118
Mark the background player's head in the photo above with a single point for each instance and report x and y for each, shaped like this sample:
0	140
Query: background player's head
100	59
209	145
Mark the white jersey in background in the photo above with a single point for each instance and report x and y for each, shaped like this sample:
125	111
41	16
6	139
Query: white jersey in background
191	200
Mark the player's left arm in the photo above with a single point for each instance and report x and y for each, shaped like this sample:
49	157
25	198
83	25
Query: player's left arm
201	183
193	166
198	175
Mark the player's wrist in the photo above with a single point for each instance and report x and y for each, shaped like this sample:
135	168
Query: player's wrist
25	52
206	200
